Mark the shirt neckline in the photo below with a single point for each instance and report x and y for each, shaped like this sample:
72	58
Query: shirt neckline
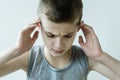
53	68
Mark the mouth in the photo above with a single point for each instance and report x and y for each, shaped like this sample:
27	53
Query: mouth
58	51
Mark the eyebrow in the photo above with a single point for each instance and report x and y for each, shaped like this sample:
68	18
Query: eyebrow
46	32
57	35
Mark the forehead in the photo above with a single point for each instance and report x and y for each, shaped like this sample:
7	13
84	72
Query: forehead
57	28
44	18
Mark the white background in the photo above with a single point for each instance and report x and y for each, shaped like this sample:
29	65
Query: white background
102	15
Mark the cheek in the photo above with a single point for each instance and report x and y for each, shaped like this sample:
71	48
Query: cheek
48	41
70	41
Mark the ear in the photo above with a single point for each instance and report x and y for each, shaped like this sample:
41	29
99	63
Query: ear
78	28
79	25
38	24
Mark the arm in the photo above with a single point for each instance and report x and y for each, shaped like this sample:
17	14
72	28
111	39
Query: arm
15	64
12	57
110	62
93	50
102	69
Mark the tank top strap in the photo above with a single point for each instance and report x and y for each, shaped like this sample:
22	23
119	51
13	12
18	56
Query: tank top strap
33	57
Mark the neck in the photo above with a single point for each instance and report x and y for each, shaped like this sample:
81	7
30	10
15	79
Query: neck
58	61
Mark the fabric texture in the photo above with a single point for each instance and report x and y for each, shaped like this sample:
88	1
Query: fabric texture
40	69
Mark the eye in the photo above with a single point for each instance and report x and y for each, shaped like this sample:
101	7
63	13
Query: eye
68	36
51	36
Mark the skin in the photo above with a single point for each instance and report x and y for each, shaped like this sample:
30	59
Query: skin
16	57
58	39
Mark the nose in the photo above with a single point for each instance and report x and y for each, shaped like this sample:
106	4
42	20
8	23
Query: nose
59	43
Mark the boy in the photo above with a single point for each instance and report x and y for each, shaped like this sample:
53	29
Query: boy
58	59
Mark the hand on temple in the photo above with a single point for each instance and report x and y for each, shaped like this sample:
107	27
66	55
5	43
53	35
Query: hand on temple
25	41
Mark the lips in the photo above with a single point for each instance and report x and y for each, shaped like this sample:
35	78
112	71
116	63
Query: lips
58	51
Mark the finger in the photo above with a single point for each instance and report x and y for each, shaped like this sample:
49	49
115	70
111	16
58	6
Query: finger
81	42
36	21
85	31
88	28
29	29
88	32
35	36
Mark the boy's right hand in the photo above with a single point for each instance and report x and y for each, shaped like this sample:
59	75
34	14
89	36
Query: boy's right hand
25	41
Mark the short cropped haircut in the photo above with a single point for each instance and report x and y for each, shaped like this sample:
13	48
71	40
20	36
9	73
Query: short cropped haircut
60	10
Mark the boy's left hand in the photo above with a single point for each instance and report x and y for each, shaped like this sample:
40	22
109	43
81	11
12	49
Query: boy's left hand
92	46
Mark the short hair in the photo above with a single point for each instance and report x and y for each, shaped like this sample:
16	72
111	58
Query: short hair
61	10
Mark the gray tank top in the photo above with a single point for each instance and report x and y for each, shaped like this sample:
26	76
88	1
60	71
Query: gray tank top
40	69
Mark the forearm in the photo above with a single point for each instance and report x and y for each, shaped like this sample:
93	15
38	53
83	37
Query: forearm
8	55
110	62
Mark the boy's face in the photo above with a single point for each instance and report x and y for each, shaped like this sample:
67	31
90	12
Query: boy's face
58	37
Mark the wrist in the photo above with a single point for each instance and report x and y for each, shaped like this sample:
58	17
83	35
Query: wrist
103	58
18	50
100	57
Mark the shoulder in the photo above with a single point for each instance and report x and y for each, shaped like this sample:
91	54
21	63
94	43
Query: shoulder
36	48
77	50
35	54
81	57
35	51
34	58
